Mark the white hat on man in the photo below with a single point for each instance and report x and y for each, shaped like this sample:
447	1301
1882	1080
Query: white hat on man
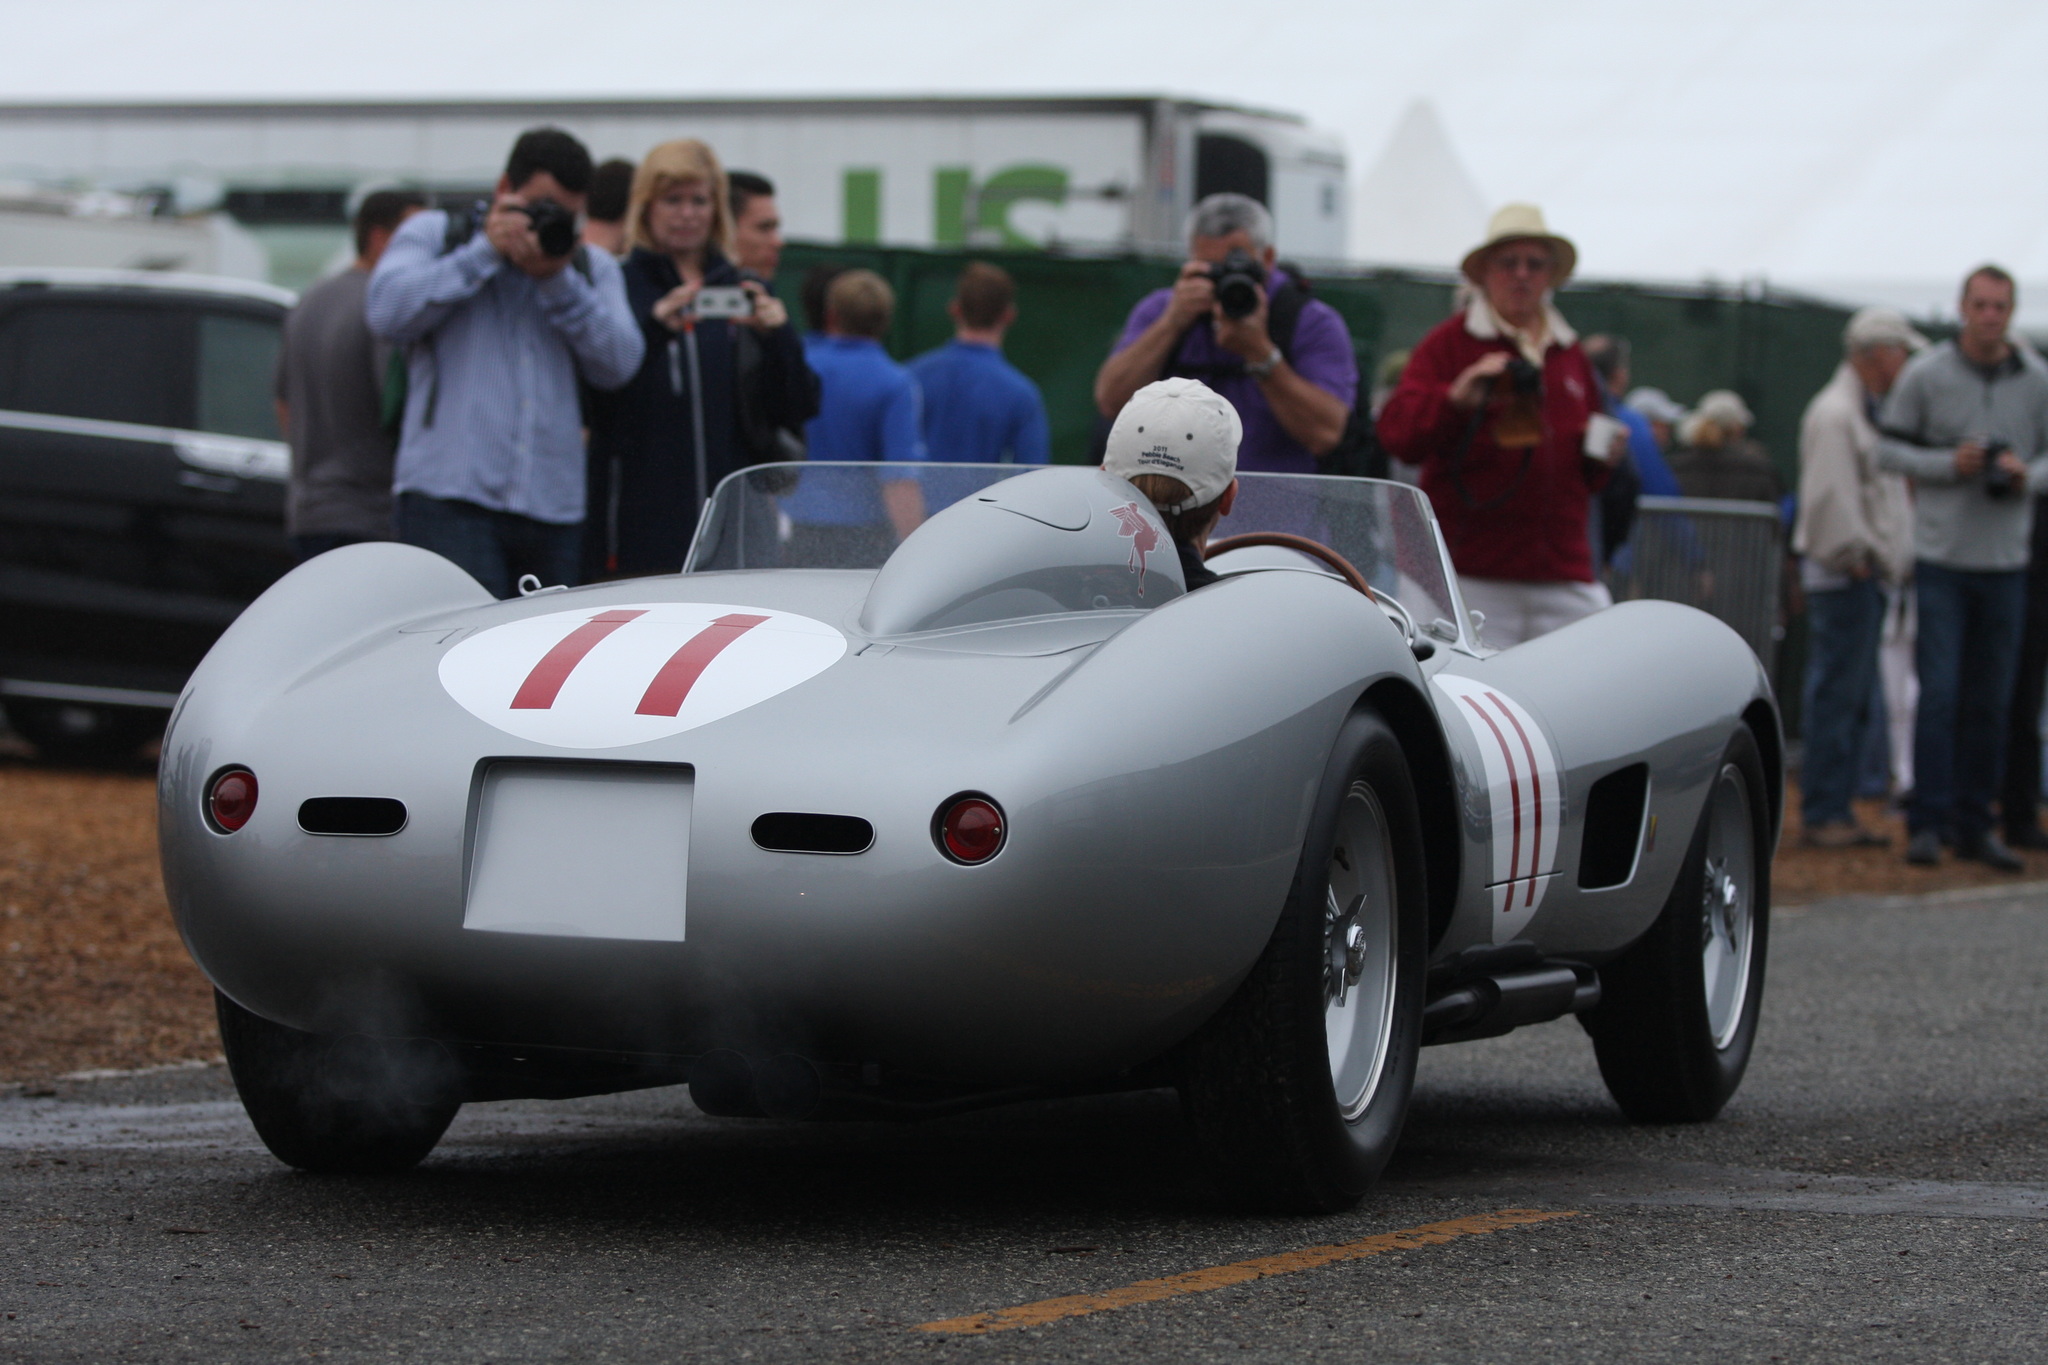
1183	429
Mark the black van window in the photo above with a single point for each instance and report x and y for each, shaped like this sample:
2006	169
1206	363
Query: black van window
237	362
116	362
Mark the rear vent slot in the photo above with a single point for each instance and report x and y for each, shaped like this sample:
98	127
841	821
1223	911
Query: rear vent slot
786	831
1614	827
356	815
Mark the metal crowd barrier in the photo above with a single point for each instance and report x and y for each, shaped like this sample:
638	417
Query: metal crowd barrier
1721	556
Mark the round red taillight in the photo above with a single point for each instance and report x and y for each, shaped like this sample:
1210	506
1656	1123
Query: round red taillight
232	799
970	829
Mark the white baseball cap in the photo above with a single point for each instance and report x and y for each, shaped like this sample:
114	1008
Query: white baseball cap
1656	405
1881	327
1183	429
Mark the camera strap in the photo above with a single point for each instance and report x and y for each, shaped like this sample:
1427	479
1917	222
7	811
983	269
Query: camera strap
1456	462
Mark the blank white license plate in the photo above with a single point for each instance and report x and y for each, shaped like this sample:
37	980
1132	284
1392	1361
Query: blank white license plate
581	851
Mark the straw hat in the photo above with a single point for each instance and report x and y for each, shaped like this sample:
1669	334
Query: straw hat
1522	223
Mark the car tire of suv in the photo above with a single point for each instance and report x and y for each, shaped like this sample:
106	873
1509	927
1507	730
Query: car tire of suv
68	732
1289	1117
344	1105
1673	1030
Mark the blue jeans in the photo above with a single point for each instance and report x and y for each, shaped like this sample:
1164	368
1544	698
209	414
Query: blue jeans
1967	652
1843	625
496	548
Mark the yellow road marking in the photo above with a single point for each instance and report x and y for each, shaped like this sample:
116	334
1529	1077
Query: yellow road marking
1238	1272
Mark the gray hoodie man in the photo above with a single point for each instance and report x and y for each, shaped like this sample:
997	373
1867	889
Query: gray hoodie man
1944	424
1945	401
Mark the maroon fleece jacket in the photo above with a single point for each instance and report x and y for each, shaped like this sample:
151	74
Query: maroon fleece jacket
1537	533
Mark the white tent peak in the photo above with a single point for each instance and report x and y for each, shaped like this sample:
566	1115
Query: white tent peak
1418	205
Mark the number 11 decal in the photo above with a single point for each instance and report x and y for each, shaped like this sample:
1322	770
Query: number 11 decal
635	672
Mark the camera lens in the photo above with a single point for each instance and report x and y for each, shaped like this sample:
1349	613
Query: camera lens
1237	296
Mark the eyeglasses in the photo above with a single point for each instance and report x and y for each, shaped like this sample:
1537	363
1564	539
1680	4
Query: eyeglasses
1516	263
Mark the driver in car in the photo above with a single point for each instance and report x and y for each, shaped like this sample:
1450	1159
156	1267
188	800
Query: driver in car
1176	442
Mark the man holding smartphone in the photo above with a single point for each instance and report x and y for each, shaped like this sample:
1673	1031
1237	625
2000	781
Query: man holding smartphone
498	326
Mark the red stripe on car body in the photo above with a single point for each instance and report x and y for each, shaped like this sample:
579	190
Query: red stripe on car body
544	684
664	696
1514	796
1535	788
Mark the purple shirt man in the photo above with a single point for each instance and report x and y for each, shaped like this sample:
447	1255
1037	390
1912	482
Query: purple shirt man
1294	400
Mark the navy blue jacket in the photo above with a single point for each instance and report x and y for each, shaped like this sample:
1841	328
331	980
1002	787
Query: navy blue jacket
646	483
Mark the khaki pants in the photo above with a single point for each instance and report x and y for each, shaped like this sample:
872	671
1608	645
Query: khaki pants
1518	611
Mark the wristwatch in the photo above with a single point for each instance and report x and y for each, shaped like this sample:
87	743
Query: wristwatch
1262	368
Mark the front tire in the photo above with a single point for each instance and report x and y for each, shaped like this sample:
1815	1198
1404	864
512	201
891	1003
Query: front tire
351	1105
1678	1011
1298	1088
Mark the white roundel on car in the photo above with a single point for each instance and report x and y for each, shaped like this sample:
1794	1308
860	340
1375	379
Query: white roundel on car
599	678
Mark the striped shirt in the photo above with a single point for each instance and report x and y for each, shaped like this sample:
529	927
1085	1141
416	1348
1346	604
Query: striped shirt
497	353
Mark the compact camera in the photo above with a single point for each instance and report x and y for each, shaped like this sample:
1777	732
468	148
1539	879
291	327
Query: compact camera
1998	483
553	225
722	301
1238	278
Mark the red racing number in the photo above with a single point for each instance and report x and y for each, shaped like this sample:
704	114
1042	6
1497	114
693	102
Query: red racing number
672	683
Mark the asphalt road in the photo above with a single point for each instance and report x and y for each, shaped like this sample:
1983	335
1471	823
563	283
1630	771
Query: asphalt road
1878	1191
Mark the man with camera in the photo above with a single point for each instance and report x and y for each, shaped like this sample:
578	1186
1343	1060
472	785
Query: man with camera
1499	407
1248	331
1968	423
499	319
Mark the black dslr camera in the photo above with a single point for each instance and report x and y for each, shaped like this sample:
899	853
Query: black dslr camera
1523	378
1999	484
1238	277
554	225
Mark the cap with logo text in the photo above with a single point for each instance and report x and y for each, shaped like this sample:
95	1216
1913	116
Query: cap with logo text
1183	429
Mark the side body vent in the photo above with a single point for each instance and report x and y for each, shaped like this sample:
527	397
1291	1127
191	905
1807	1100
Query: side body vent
1614	827
360	816
786	831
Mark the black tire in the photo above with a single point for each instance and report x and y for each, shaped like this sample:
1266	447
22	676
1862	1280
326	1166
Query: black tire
1673	1044
351	1104
1257	1080
72	732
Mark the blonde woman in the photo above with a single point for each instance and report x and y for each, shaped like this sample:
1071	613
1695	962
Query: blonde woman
715	392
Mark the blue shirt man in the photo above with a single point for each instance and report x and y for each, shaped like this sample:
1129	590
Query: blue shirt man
978	407
490	461
1658	480
868	410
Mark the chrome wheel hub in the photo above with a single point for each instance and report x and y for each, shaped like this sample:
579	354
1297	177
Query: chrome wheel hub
1727	929
1359	951
1347	944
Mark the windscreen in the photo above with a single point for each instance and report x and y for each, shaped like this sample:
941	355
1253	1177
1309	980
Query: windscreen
852	516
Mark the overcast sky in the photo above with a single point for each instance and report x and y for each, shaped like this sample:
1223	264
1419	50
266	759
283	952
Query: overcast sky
1814	142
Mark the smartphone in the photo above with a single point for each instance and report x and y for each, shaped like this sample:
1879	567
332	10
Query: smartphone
723	301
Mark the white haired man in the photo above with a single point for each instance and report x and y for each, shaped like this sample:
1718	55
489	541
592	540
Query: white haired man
1286	365
1854	537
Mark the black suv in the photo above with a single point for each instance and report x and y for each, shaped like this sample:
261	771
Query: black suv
142	488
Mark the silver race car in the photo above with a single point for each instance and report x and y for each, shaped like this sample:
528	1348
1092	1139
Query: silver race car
828	825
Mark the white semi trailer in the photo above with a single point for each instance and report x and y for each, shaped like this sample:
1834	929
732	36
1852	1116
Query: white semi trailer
1084	173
